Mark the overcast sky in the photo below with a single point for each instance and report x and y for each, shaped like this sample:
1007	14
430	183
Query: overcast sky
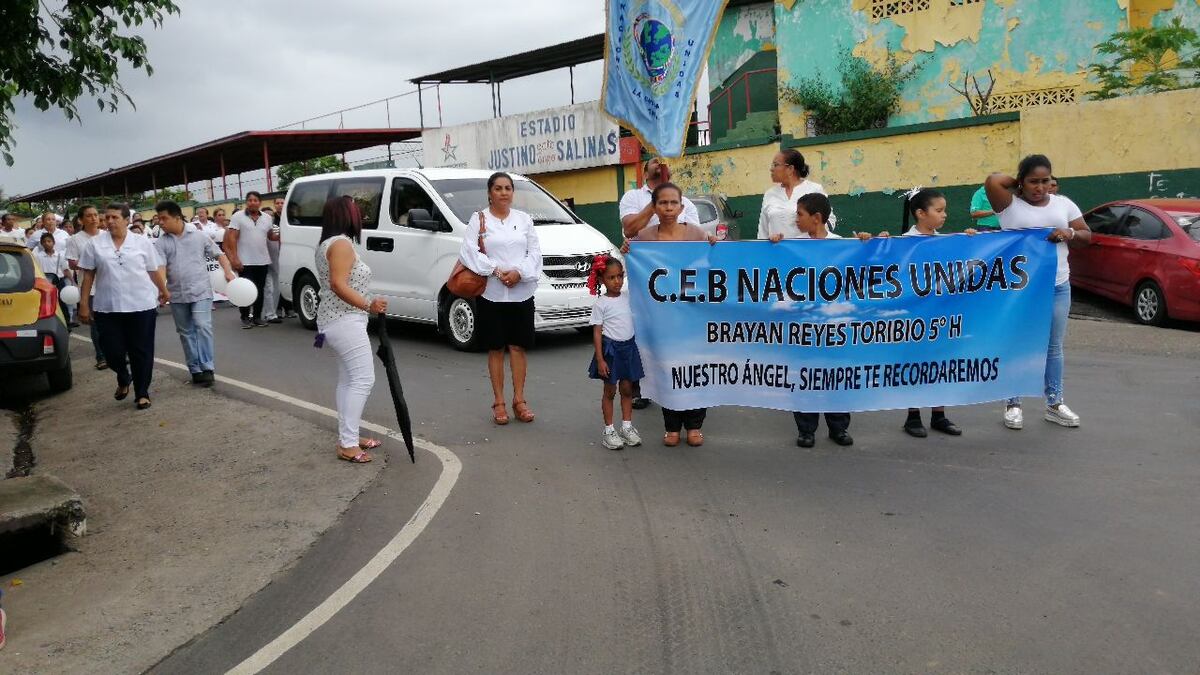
224	66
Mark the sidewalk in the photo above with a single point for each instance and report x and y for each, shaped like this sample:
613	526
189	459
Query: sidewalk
192	506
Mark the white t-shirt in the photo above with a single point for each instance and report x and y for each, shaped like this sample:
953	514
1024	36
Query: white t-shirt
60	239
252	237
778	213
75	246
614	316
634	201
122	281
1058	213
51	263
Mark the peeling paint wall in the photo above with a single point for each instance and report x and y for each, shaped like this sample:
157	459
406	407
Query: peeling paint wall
1138	133
742	33
1027	44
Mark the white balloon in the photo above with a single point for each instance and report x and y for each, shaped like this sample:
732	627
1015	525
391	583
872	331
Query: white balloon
69	295
241	292
217	277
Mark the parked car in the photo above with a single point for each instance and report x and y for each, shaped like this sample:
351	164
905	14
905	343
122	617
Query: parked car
33	330
1146	254
716	217
413	225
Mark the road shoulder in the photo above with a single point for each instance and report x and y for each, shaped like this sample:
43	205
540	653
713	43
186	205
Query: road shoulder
193	506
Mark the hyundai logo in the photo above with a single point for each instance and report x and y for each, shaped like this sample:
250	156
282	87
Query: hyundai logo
583	267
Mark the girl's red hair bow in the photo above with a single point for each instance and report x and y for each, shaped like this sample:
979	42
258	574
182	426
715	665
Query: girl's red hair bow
599	264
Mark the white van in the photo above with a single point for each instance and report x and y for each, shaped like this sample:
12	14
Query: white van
413	225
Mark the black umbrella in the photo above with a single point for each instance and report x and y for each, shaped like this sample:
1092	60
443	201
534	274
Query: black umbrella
386	355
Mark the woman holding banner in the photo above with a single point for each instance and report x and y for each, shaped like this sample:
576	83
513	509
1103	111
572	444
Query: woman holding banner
777	219
668	206
1022	203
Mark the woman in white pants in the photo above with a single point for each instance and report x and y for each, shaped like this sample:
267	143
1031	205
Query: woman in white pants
342	317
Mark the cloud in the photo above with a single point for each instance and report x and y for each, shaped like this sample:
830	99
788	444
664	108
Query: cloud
837	309
224	66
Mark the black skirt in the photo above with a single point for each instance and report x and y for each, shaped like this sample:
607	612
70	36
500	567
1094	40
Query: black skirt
505	323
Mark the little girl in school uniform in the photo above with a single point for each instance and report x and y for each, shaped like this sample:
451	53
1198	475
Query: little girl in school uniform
617	361
928	210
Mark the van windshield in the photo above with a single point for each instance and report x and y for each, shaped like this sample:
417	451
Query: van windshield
466	196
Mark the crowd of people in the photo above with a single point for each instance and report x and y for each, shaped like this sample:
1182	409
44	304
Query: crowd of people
500	244
127	268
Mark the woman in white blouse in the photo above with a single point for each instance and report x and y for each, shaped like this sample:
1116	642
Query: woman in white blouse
777	220
131	284
511	258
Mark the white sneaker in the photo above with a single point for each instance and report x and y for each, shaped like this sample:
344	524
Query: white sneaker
612	440
631	436
1062	415
1014	418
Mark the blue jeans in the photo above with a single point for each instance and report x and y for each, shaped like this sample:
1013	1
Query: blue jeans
193	322
1054	354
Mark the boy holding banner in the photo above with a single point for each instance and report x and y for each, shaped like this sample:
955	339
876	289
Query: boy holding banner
812	218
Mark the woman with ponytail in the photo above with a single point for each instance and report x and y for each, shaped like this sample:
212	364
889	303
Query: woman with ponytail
1026	202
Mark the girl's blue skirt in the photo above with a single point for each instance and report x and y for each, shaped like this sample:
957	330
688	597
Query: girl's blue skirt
623	359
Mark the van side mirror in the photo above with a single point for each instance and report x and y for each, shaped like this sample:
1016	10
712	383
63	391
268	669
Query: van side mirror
420	218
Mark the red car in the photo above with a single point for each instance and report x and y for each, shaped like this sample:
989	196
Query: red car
1145	253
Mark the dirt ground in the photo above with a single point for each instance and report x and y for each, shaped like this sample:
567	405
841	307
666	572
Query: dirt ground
192	506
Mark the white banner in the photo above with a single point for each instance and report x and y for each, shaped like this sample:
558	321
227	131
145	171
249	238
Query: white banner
558	139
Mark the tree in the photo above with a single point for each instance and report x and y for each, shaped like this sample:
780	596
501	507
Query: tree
81	58
867	98
287	173
1148	60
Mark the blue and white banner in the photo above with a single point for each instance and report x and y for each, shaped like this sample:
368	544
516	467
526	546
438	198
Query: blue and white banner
654	51
843	325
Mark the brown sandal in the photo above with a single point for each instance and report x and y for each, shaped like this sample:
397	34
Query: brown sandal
522	411
500	413
360	457
671	439
697	440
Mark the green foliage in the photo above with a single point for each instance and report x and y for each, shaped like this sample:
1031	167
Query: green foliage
1148	60
147	201
867	98
310	167
81	58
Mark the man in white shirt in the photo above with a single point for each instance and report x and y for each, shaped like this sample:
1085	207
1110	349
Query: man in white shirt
637	213
49	224
276	308
246	245
637	209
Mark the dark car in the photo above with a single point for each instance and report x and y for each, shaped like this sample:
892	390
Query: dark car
1146	254
33	330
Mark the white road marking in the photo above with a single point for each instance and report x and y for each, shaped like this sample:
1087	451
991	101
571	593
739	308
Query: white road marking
344	594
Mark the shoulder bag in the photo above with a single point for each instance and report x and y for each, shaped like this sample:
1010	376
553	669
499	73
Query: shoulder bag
464	282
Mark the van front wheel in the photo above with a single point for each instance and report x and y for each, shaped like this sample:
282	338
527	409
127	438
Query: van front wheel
459	322
306	298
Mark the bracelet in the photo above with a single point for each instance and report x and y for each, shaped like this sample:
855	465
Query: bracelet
1072	233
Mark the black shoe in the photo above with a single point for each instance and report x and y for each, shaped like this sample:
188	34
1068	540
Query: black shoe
945	426
197	378
247	324
640	403
841	438
259	323
275	319
208	379
806	440
914	428
143	403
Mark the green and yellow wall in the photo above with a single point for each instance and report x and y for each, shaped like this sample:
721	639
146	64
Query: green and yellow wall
1134	147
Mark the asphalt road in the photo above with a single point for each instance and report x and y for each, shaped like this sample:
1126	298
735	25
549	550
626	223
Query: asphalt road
1045	550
